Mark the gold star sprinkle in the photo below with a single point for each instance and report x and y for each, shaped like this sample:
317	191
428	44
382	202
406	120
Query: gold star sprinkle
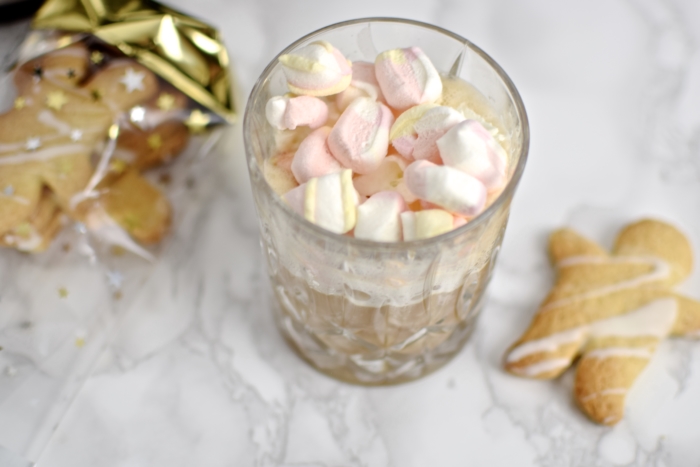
24	229
165	101
79	342
117	165
197	121
62	292
20	103
155	141
56	100
117	250
96	57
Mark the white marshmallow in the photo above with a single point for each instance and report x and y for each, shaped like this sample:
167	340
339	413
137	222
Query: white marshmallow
449	188
469	147
317	69
378	218
330	201
287	113
425	224
360	137
415	137
313	158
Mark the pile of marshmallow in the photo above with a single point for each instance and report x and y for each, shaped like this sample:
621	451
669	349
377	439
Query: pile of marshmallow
439	175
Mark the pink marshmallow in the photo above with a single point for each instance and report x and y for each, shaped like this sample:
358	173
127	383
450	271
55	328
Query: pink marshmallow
364	84
379	218
446	187
469	147
317	69
360	137
313	158
285	113
407	77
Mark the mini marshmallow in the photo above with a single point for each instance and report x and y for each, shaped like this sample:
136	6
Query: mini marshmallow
417	136
470	147
449	188
387	177
425	224
402	134
317	69
378	218
364	84
407	77
360	137
330	201
313	158
287	113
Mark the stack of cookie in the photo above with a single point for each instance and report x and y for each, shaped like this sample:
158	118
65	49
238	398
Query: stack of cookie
84	126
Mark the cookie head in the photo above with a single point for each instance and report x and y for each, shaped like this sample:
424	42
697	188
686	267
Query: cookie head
67	66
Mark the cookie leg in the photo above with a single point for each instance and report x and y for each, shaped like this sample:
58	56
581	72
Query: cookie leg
605	375
688	319
20	190
137	206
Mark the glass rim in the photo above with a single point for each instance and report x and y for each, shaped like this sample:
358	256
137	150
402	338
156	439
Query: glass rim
404	244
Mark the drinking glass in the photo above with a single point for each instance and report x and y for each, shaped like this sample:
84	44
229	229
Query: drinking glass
381	313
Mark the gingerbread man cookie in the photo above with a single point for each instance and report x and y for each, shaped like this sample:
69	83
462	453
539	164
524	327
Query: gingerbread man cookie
612	310
63	113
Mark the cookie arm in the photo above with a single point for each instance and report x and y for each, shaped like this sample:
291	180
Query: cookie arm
565	243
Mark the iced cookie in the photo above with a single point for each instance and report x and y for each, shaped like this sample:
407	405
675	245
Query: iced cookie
612	310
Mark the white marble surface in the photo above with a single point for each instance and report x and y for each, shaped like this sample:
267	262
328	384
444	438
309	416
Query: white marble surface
198	376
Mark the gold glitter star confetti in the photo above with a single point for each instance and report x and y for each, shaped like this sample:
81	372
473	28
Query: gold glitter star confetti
165	101
117	250
97	57
20	103
117	166
24	229
80	336
56	100
197	121
62	292
155	141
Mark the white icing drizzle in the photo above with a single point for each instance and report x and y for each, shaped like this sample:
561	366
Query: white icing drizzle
98	175
544	366
43	154
654	319
546	344
607	352
30	243
661	271
605	392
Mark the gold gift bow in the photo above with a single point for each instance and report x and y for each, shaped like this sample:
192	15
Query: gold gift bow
184	51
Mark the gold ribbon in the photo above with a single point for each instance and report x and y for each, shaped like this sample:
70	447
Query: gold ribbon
182	50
